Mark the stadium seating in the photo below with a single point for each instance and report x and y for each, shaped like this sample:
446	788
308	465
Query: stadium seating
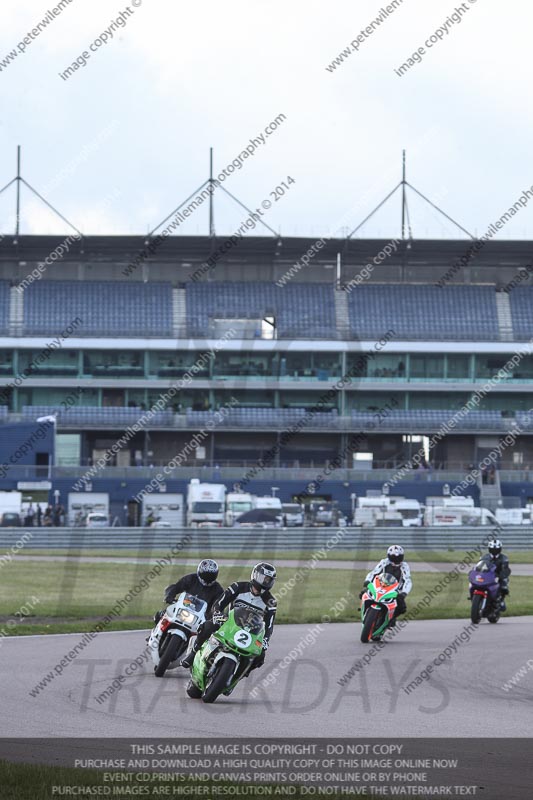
263	417
106	308
524	420
300	310
521	300
432	418
424	312
92	415
4	306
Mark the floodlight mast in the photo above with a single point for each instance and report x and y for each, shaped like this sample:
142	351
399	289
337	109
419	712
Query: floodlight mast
18	179
404	183
17	221
213	184
211	193
404	200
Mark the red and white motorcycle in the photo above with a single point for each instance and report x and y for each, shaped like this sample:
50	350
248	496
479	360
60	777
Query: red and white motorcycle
172	636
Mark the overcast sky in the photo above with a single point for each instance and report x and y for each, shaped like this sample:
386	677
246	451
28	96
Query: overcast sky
126	138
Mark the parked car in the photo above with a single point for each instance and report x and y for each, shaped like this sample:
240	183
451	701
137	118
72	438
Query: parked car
97	520
10	519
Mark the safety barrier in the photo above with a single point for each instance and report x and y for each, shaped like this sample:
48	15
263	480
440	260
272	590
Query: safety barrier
16	540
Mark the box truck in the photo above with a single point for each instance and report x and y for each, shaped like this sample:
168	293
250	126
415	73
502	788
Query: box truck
206	504
237	503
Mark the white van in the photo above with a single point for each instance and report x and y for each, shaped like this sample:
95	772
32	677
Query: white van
97	520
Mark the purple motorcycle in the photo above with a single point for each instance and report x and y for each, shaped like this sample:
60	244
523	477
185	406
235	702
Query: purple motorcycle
484	592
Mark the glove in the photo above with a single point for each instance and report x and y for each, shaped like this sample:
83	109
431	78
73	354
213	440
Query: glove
218	618
363	590
169	600
402	595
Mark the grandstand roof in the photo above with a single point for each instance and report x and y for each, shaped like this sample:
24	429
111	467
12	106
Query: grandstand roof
262	249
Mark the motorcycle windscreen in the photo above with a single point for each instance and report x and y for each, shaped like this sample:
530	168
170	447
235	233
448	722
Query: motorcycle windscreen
192	602
249	619
387	580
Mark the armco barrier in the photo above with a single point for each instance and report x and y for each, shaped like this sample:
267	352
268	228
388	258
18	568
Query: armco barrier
16	540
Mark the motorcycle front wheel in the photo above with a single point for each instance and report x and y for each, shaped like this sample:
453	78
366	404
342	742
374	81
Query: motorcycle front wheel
219	681
173	647
475	609
371	622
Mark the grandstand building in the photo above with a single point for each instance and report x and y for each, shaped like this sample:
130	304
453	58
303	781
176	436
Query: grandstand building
258	360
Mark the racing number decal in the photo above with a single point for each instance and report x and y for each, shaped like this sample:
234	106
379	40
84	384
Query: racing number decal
242	639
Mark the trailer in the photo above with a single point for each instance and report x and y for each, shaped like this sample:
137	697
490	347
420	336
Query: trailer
10	509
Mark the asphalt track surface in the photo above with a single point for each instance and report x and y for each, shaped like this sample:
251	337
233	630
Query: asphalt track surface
463	697
417	566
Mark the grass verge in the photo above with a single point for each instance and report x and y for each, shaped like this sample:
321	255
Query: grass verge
73	597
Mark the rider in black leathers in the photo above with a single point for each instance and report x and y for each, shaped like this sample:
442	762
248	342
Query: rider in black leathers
202	583
503	570
255	594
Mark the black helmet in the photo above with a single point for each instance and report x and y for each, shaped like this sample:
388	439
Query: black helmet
263	576
395	553
207	571
495	547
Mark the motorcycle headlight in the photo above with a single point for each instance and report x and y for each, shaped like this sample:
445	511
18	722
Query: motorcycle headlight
186	616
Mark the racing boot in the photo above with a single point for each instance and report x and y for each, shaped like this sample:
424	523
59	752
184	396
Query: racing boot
186	662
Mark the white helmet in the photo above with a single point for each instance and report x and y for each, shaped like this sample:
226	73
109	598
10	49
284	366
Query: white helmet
395	553
495	547
263	576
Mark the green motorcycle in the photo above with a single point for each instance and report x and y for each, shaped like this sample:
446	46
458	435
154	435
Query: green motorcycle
227	655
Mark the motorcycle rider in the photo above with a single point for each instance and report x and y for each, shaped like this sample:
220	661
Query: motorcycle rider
395	565
503	570
255	594
202	583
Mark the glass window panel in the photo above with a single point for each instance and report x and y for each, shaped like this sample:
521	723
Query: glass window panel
249	365
115	363
427	366
458	365
6	362
386	366
175	364
48	362
486	366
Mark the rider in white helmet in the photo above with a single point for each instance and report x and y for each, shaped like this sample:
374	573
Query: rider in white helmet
395	565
